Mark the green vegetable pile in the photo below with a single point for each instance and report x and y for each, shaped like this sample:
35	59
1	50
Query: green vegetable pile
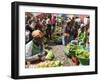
82	53
77	51
71	49
50	55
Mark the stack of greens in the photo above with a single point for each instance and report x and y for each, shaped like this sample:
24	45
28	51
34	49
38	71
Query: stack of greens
78	51
50	55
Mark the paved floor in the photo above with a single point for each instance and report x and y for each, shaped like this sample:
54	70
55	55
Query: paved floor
59	54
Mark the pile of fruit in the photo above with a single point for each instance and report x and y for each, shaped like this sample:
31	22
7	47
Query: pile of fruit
48	63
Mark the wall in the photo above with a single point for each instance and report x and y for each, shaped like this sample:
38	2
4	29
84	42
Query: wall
5	40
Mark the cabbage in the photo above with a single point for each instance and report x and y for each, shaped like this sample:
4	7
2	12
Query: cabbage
50	55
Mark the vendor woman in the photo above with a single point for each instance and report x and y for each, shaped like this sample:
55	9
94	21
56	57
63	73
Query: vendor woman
37	42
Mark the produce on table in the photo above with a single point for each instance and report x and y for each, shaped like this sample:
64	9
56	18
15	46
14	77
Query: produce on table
56	63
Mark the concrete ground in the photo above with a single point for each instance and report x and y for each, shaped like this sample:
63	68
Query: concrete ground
58	51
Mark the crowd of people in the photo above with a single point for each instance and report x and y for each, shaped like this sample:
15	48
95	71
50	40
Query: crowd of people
74	27
45	24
